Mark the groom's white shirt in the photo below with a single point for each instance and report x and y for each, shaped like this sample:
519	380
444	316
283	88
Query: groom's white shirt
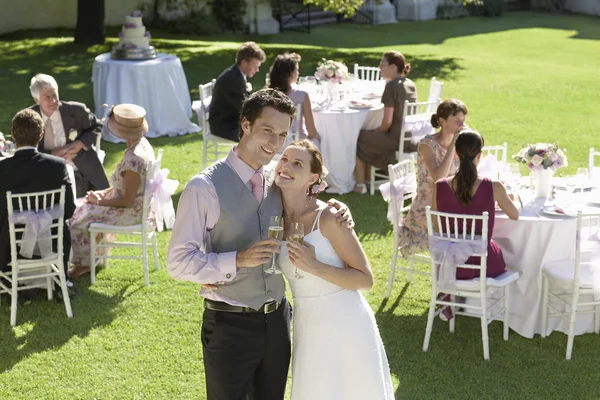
198	212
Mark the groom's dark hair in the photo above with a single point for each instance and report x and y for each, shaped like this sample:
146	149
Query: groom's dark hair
253	106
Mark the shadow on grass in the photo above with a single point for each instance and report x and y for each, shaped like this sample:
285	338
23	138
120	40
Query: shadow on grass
46	325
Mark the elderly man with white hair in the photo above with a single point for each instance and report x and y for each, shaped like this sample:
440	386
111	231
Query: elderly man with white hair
70	130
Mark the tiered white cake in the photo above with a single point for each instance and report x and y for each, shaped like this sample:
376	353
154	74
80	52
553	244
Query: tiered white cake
134	41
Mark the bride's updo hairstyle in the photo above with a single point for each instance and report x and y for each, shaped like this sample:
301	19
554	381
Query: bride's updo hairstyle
396	58
446	109
316	163
468	146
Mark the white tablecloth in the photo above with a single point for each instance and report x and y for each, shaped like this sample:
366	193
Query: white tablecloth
339	132
158	85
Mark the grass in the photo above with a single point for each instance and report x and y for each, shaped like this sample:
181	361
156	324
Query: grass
526	77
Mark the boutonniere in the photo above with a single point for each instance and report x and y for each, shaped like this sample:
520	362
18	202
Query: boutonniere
248	87
73	135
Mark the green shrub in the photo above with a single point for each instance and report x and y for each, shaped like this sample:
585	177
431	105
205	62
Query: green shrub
229	14
195	23
493	8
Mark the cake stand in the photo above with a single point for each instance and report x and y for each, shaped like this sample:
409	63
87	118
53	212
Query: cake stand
133	54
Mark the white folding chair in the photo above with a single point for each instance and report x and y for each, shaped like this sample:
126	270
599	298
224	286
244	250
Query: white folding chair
397	173
97	147
593	170
367	73
143	231
435	91
30	273
500	151
416	119
574	277
464	233
217	145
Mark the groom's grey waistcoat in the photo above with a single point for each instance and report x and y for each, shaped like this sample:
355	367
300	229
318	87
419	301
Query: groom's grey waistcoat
243	221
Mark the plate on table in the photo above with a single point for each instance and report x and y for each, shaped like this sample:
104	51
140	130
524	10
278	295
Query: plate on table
557	211
371	96
360	105
561	184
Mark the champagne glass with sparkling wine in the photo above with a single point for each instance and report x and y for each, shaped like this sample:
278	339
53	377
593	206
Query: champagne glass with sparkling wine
298	236
275	232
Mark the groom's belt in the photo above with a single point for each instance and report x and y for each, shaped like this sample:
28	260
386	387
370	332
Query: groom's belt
266	308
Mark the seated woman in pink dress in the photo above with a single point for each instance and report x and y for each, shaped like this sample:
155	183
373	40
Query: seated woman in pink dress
467	193
283	73
120	204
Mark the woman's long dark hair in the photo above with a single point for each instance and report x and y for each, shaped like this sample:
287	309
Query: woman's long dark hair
468	145
283	67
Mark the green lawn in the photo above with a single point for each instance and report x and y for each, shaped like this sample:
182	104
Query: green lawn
526	77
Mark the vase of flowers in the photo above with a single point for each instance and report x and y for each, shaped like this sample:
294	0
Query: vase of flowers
332	73
542	159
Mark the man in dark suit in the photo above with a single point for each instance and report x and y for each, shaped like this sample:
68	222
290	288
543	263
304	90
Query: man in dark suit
28	171
70	131
230	91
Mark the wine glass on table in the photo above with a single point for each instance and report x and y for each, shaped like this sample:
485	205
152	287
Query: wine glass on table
297	236
582	177
275	232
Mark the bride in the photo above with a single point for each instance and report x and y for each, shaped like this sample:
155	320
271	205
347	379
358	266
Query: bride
337	350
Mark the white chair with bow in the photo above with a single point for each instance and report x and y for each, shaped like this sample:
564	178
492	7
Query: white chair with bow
416	118
451	242
564	281
158	190
30	228
367	73
435	92
217	146
401	188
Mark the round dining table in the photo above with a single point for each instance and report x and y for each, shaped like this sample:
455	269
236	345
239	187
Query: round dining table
159	85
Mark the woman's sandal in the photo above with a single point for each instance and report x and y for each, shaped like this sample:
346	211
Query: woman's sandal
360	188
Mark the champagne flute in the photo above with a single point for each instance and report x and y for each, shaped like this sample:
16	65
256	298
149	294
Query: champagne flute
582	177
9	148
297	236
275	232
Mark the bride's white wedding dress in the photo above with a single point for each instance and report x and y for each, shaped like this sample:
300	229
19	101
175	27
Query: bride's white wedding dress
337	351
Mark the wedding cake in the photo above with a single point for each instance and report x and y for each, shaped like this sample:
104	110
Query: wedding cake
134	40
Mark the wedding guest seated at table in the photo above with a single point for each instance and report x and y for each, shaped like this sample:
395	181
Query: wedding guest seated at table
468	193
31	171
70	130
283	74
378	147
122	203
436	159
230	90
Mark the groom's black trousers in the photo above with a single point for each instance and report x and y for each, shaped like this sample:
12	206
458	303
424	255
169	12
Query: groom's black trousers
246	355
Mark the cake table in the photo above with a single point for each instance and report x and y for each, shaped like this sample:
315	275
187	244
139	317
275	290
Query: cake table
159	85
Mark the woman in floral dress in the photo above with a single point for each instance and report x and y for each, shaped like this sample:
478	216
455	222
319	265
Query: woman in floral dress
122	203
436	160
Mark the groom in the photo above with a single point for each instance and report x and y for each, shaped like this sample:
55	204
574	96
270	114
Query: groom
221	235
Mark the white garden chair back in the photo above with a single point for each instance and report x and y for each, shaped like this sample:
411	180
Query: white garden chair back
564	281
217	146
416	119
46	271
499	151
460	229
593	170
435	92
142	231
398	173
366	73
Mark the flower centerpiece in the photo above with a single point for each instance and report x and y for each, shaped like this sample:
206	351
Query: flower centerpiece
331	71
543	159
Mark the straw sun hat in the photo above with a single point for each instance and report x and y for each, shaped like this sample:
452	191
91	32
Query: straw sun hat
127	121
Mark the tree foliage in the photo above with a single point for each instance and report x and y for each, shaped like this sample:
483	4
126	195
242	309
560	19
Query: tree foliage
346	7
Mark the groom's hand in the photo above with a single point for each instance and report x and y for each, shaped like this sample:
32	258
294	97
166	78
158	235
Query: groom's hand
343	216
257	254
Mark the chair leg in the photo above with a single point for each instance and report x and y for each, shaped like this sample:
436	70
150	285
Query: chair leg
545	294
429	327
597	320
14	297
155	248
411	267
49	283
392	273
484	331
452	321
572	322
506	302
92	257
65	291
145	260
372	185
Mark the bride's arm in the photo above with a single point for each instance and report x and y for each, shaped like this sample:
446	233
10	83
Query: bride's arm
356	276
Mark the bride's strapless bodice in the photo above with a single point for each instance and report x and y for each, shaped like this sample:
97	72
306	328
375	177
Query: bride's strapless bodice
311	285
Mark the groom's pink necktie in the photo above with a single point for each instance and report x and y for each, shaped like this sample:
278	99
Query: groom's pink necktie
257	186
